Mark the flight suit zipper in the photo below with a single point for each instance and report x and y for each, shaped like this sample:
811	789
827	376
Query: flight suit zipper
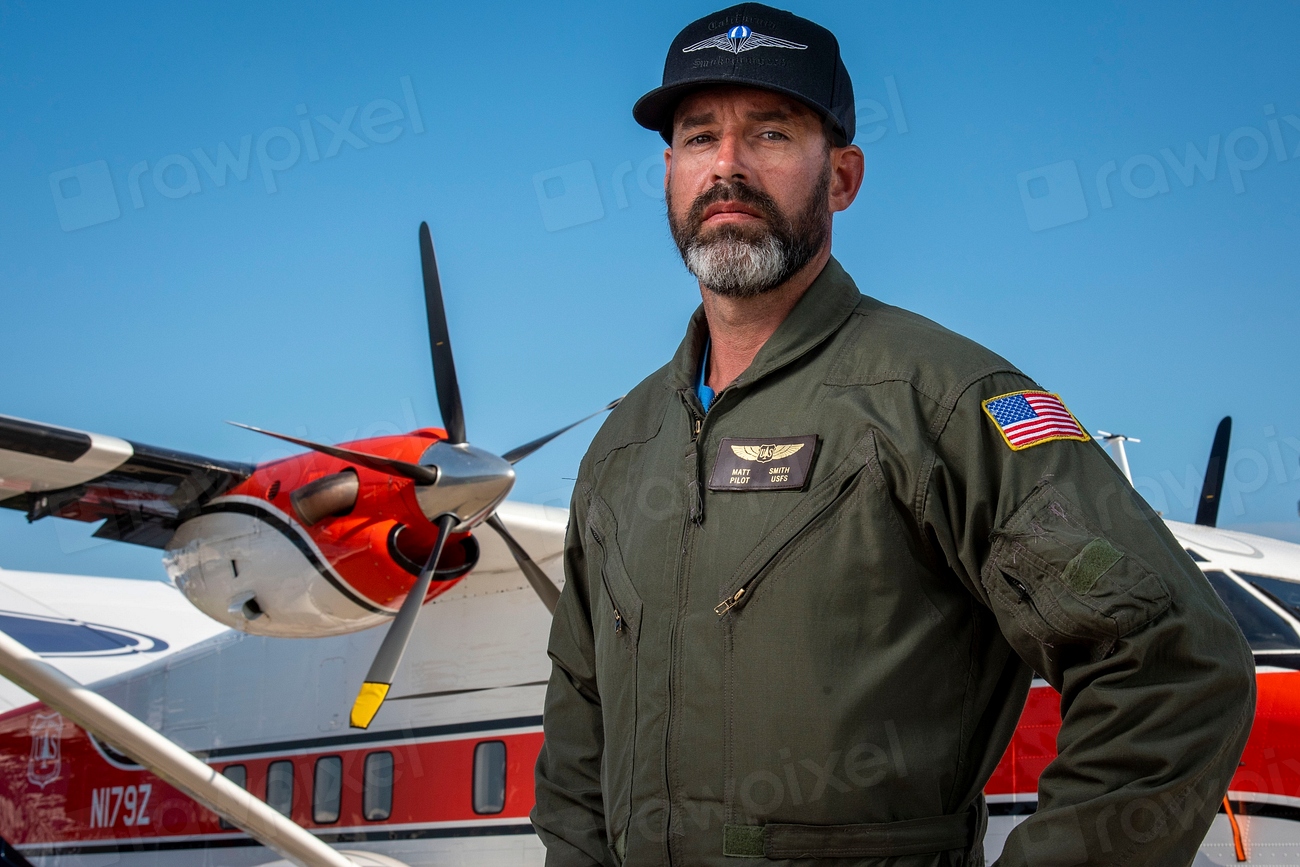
694	515
1023	594
730	602
609	591
1021	590
1026	597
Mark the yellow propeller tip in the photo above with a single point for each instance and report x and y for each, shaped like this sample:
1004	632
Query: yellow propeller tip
368	702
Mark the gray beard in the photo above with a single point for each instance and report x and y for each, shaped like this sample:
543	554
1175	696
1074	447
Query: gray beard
744	263
740	267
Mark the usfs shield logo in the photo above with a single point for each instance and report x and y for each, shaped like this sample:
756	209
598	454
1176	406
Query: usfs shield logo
46	760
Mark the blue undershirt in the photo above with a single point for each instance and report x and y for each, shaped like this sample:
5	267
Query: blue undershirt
702	391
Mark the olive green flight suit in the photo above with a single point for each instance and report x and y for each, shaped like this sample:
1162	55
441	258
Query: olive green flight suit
829	675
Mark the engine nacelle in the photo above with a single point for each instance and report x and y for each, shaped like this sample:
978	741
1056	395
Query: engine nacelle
253	567
312	546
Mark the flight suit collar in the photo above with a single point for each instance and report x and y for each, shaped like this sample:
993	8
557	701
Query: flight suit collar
818	314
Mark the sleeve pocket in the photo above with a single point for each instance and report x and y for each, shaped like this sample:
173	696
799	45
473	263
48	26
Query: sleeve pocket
1055	579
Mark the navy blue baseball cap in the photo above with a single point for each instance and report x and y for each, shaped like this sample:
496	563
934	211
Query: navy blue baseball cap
753	45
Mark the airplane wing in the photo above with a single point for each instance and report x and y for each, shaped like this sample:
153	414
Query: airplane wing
141	493
95	627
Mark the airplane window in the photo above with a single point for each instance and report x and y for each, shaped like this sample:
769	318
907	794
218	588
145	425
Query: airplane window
237	774
1197	557
1263	628
327	792
120	758
377	787
490	777
279	786
1285	592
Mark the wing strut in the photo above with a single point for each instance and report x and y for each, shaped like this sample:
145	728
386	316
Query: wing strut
107	721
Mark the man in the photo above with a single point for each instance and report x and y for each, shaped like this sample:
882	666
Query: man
814	562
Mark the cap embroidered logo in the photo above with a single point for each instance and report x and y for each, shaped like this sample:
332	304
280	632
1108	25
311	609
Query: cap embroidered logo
741	38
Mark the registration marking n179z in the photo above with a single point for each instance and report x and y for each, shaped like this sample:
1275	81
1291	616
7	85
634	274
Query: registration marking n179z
128	803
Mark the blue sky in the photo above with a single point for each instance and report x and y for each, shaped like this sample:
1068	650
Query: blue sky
153	303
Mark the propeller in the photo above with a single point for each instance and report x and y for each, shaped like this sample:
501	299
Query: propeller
380	677
543	586
518	453
460	487
444	366
420	474
1207	511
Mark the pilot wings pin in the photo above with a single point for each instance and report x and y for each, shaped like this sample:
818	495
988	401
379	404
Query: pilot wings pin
766	451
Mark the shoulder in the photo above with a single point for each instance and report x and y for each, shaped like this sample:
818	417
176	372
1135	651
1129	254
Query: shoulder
637	419
881	343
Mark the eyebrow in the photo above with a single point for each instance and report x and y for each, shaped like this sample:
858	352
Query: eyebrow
773	114
692	120
707	117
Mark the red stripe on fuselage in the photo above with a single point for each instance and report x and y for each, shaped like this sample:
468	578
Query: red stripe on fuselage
1270	766
87	799
433	778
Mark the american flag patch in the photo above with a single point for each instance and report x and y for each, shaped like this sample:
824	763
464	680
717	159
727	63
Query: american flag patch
1027	418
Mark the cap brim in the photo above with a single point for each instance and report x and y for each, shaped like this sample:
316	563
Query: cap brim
655	110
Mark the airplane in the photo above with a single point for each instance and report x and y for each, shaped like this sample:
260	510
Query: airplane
297	562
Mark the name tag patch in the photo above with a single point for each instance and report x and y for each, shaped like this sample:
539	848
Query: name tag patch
763	464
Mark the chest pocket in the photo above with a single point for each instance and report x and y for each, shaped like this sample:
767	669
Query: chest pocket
1060	583
800	528
616	622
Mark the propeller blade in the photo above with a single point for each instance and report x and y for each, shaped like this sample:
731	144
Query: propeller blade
380	677
444	367
518	453
1207	511
392	466
546	590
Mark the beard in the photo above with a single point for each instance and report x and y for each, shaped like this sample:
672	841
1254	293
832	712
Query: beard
743	261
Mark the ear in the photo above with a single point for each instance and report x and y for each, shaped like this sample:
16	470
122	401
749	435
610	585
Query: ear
668	168
848	166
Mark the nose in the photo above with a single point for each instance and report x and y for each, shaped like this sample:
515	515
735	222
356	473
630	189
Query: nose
729	163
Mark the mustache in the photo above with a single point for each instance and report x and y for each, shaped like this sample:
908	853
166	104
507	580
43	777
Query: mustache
733	191
743	261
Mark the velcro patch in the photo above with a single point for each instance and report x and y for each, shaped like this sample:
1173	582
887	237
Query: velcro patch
1086	568
763	464
1028	418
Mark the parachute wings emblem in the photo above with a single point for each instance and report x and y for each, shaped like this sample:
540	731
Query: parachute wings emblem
741	38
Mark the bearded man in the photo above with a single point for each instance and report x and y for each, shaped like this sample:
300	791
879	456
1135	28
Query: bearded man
815	561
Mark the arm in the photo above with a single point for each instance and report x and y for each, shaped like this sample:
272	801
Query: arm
569	815
1092	591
